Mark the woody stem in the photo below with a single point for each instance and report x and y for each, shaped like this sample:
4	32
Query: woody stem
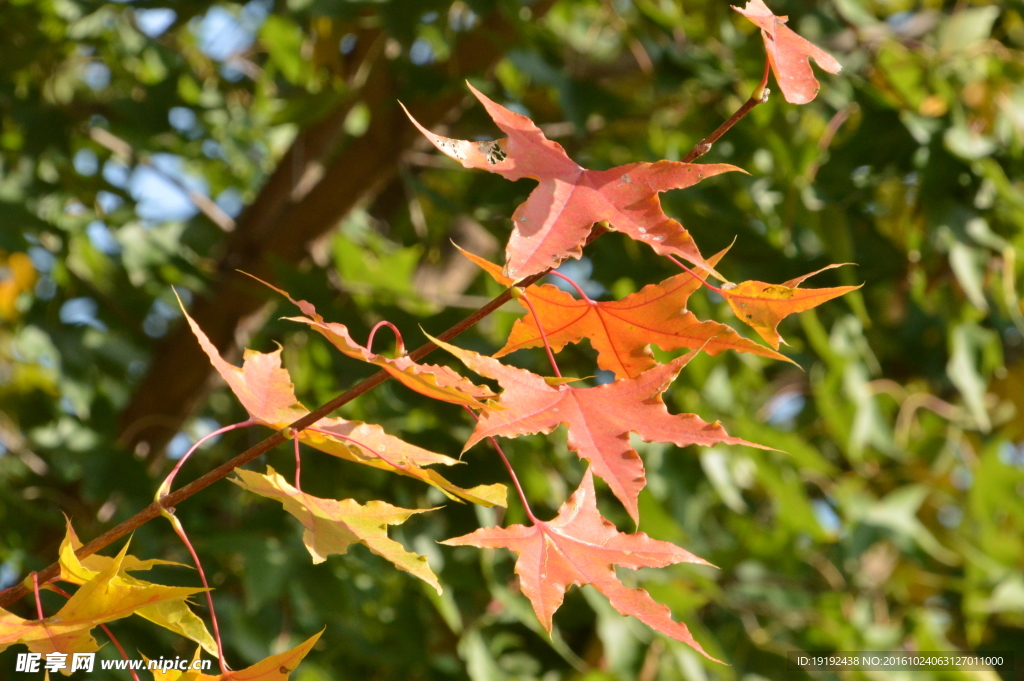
394	329
110	634
511	472
543	334
758	96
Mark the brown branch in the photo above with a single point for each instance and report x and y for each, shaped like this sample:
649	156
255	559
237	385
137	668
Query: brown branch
204	203
758	96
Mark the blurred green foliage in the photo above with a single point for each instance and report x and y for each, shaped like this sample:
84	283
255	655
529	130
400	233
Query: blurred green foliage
893	515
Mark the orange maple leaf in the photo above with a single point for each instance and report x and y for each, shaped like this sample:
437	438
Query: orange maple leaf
789	54
266	391
622	331
762	306
599	419
581	547
554	222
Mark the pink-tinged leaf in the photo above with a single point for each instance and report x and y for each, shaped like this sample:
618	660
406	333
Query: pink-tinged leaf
789	54
581	547
599	419
554	222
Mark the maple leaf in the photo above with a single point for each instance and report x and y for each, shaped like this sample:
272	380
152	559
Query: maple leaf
174	615
332	525
622	331
106	597
789	54
762	306
436	382
266	391
555	220
599	419
274	668
581	547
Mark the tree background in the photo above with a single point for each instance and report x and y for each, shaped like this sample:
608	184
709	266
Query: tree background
148	145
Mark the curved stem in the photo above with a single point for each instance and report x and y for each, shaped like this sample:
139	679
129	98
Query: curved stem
169	480
399	344
39	601
298	463
758	96
117	644
180	531
163	491
695	275
110	634
583	294
511	472
759	92
543	334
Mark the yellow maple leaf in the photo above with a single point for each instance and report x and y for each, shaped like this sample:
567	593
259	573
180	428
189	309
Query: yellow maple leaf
106	597
173	615
332	525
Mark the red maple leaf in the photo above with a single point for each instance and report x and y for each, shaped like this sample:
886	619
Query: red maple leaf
599	419
554	222
789	54
581	547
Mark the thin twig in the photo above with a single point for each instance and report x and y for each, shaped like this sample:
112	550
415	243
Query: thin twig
169	480
759	96
202	202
